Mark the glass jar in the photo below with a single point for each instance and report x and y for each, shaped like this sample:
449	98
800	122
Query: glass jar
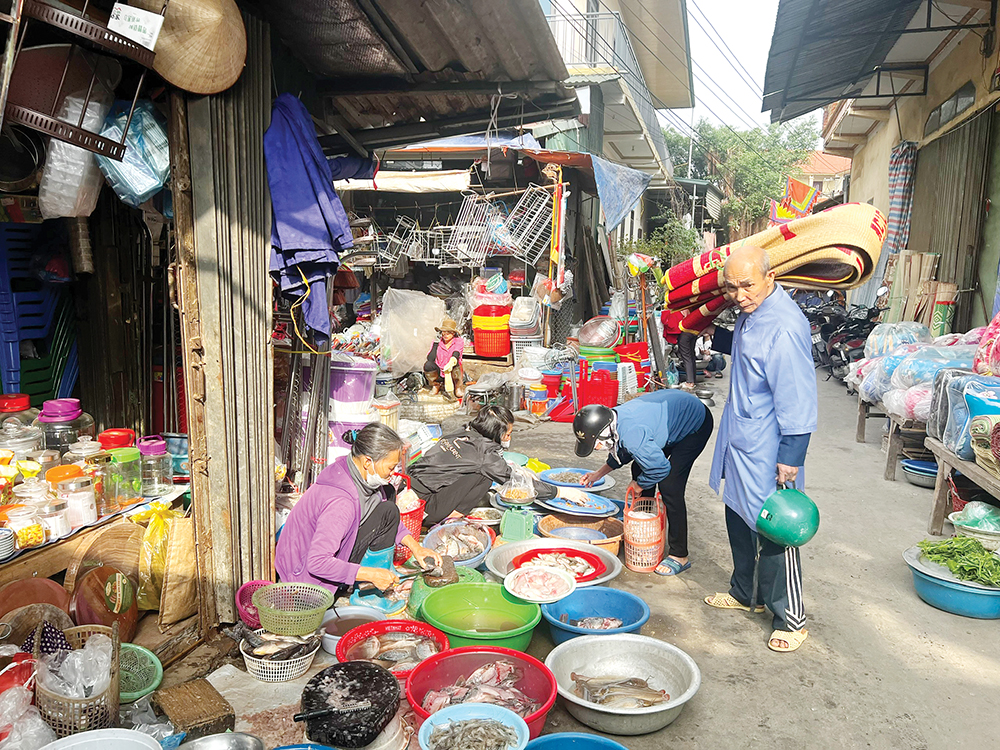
55	517
78	494
32	491
97	466
156	466
17	407
45	458
126	476
117	437
27	527
21	439
58	473
81	450
63	422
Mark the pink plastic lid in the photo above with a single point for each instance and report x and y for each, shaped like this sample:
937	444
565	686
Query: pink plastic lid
152	445
60	410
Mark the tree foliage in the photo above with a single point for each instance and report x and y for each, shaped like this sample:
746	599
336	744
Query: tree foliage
749	165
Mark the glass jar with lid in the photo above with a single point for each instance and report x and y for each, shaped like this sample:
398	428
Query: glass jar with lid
156	466
97	466
17	407
126	476
81	504
63	422
21	439
81	450
55	516
33	491
46	459
58	473
27	527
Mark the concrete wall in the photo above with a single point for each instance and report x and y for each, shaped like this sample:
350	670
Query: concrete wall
870	167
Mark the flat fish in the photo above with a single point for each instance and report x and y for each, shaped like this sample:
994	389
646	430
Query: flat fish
460	543
537	583
571	564
472	734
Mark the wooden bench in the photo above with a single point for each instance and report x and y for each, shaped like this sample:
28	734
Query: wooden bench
897	426
948	462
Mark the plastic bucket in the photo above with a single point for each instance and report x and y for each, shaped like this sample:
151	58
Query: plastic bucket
338	445
470	711
335	613
595	601
441	670
465	610
352	384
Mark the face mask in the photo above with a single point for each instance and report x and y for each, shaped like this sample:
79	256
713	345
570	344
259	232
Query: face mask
505	443
375	481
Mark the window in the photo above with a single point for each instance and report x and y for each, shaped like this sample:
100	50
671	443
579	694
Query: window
951	108
818	185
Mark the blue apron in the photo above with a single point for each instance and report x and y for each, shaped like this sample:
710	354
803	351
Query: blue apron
772	393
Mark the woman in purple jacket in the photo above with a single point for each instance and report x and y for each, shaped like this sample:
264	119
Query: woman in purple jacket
350	512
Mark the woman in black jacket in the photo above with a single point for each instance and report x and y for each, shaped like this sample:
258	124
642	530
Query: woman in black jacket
455	475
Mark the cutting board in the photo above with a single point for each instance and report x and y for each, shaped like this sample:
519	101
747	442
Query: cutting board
25	619
118	545
32	591
103	596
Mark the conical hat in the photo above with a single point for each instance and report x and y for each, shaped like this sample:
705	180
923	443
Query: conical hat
202	45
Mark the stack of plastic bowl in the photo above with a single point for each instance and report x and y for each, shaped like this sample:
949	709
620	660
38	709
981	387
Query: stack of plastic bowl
491	330
352	389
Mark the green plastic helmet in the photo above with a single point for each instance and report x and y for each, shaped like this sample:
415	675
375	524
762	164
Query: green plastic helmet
789	518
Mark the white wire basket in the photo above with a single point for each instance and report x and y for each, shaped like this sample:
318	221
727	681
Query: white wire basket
277	671
469	240
424	248
628	380
528	227
520	343
396	242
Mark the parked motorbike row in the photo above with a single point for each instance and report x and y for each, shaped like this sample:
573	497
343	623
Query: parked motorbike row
838	333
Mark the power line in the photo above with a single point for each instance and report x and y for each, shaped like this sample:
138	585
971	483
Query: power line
749	80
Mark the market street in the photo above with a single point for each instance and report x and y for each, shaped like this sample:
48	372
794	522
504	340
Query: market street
880	669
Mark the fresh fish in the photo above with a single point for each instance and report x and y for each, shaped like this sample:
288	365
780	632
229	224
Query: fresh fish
460	542
397	652
617	692
472	734
571	564
495	682
536	584
597	623
442	575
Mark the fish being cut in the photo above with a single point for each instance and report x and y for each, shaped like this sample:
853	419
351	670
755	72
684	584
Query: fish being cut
472	734
397	652
494	682
617	692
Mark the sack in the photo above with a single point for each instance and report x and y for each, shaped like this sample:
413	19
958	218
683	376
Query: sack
937	417
520	487
180	575
153	556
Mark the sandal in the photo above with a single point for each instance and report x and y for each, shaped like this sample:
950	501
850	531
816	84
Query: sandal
671	567
725	601
792	638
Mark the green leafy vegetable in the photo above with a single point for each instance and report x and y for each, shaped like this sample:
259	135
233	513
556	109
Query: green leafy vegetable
966	558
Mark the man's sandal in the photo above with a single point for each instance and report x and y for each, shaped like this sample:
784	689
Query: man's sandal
792	638
726	601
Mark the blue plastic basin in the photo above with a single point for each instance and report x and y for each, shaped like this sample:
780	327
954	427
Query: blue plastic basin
953	597
575	740
595	601
469	711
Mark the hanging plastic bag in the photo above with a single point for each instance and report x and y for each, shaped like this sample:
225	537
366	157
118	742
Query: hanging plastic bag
885	337
520	488
153	558
409	320
618	308
146	166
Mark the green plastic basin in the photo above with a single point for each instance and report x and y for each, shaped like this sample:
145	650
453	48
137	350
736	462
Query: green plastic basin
481	614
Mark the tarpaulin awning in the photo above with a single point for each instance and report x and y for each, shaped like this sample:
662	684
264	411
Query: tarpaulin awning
388	181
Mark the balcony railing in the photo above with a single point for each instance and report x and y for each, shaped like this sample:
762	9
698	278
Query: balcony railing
600	42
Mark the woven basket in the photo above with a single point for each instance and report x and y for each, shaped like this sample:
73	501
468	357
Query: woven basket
612	528
277	671
69	716
292	608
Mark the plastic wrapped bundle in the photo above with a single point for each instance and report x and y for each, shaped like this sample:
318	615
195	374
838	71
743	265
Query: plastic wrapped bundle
922	365
878	380
948	339
858	370
937	418
885	337
979	515
894	401
917	401
956	431
981	365
981	399
974	336
146	166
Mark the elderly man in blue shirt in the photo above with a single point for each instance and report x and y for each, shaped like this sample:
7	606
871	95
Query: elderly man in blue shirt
660	434
762	441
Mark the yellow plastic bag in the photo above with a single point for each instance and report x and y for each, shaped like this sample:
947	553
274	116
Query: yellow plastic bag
153	558
537	466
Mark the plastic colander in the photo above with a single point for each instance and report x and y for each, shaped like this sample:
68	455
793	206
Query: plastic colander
140	672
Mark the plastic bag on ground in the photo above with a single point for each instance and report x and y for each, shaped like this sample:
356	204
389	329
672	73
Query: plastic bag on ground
408	322
520	487
922	365
979	515
153	557
885	337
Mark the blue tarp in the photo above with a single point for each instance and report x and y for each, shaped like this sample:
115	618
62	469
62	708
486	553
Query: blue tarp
619	189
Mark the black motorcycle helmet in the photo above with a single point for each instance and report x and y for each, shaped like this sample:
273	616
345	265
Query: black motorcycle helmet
589	424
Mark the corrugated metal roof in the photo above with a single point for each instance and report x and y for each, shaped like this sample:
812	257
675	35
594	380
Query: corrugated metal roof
399	62
822	50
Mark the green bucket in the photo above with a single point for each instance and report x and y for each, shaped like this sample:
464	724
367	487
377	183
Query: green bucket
481	614
789	518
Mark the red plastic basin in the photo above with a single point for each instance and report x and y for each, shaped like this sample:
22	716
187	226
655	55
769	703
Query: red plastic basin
358	634
538	682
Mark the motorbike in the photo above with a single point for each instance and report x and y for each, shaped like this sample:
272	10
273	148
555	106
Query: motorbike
823	321
847	343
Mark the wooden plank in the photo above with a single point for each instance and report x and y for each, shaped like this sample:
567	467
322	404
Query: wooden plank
859	436
894	449
46	561
180	639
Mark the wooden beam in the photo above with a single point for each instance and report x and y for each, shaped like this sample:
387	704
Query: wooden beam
854	140
848	152
882	115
